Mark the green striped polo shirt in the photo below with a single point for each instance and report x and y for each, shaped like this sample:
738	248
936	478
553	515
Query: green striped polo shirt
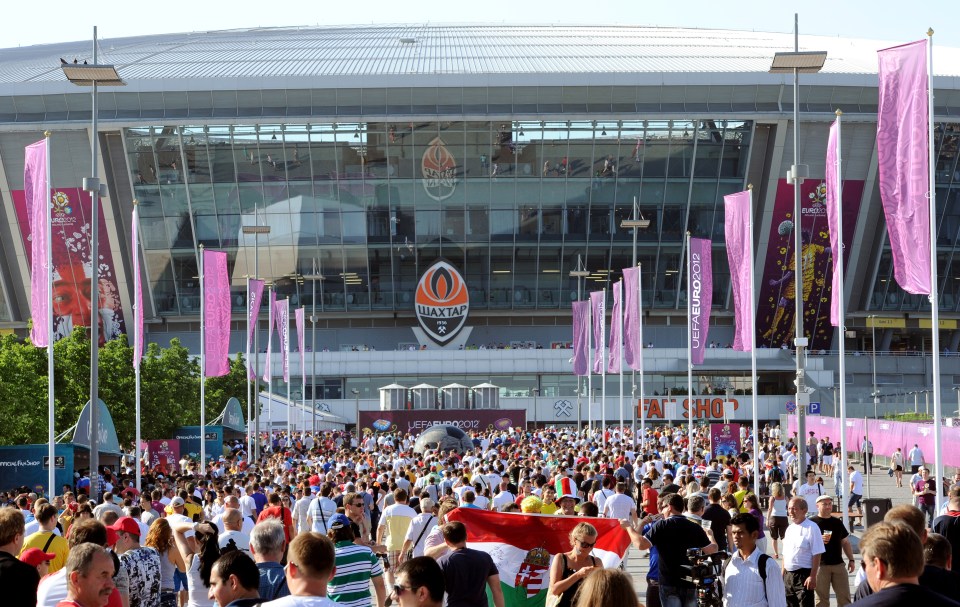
356	565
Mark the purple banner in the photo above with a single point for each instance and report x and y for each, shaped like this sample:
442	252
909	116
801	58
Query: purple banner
255	298
468	420
216	313
137	290
614	365
777	289
738	233
581	336
282	311
164	455
833	216
701	295
36	191
267	368
598	311
725	440
632	317
301	326
903	136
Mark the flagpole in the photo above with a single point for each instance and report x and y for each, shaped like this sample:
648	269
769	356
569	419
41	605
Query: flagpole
249	384
757	464
203	372
137	338
303	372
603	372
48	253
689	350
934	287
620	358
842	363
269	363
590	368
286	366
643	427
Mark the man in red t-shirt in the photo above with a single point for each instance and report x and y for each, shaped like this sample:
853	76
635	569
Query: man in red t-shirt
277	510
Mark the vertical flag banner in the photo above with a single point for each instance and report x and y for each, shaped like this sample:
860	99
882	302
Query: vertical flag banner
631	319
614	364
737	234
522	546
903	163
581	336
36	191
282	311
216	313
253	314
267	369
701	296
138	290
301	326
598	313
833	219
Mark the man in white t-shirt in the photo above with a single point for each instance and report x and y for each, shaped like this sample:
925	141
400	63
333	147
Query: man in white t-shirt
601	496
301	511
232	502
248	505
620	505
420	526
232	522
504	496
321	510
809	490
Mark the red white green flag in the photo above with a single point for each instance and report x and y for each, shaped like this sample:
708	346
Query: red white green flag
523	545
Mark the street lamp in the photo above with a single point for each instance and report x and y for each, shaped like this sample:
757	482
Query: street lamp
94	75
356	395
635	224
580	272
807	62
314	278
254	411
536	393
873	339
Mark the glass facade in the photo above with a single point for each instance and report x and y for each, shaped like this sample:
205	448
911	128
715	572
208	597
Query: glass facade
370	205
887	294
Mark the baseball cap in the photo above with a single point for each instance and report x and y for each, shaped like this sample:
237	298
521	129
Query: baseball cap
824	497
177	501
35	556
728	472
127	525
339	521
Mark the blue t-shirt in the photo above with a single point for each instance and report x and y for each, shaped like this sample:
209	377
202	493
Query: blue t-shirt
654	573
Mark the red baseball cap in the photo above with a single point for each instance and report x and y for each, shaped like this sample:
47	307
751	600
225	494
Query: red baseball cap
127	525
35	556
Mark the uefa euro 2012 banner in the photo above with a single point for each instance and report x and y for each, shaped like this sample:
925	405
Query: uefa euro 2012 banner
523	546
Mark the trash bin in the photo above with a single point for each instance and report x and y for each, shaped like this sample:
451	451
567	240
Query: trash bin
874	509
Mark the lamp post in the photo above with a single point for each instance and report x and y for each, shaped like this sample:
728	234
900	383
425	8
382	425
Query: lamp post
634	224
356	396
873	345
536	393
256	230
314	278
580	272
94	75
807	62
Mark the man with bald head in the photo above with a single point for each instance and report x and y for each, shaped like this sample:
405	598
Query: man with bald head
233	533
232	502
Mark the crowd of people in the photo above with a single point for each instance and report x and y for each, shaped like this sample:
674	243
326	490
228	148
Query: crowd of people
334	519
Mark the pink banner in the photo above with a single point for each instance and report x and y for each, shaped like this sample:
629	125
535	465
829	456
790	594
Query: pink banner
833	217
164	455
255	298
36	190
737	222
137	290
700	296
267	368
903	136
581	336
632	317
598	311
301	330
614	364
216	314
282	311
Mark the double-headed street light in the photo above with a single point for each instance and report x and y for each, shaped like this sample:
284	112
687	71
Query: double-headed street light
253	411
313	278
94	75
580	272
635	224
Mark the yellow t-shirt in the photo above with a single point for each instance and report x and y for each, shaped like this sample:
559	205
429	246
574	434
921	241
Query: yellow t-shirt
741	496
549	508
58	546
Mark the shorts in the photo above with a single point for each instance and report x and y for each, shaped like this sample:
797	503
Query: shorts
827	460
778	527
393	556
179	580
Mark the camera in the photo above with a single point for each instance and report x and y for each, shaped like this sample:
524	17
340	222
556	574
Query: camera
704	572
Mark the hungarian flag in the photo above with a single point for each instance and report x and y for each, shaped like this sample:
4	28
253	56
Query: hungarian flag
523	546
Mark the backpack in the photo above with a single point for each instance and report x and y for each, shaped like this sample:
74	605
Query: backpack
776	474
761	565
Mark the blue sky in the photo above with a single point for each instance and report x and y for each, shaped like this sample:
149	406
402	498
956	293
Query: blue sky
26	23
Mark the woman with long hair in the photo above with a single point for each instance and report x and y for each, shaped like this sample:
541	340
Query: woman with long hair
569	569
605	587
199	563
160	538
777	516
752	504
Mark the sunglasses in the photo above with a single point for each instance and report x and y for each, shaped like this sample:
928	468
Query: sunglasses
398	589
586	544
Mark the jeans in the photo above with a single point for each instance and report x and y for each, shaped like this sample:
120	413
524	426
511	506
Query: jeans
930	511
676	596
855	499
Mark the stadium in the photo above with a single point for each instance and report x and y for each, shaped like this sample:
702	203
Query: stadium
494	161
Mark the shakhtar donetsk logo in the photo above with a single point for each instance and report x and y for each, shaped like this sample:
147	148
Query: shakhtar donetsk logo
442	302
438	167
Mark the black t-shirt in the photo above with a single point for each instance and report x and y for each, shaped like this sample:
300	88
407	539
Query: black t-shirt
905	594
719	521
671	488
672	537
949	527
827	448
834	549
19	580
466	571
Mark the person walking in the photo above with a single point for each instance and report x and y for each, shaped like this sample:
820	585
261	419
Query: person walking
468	572
836	541
896	464
802	548
750	577
916	458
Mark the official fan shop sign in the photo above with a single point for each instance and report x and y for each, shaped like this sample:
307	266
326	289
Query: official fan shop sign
27	465
442	302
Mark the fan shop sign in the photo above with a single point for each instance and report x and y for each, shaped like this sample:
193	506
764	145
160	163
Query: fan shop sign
414	422
442	302
707	407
